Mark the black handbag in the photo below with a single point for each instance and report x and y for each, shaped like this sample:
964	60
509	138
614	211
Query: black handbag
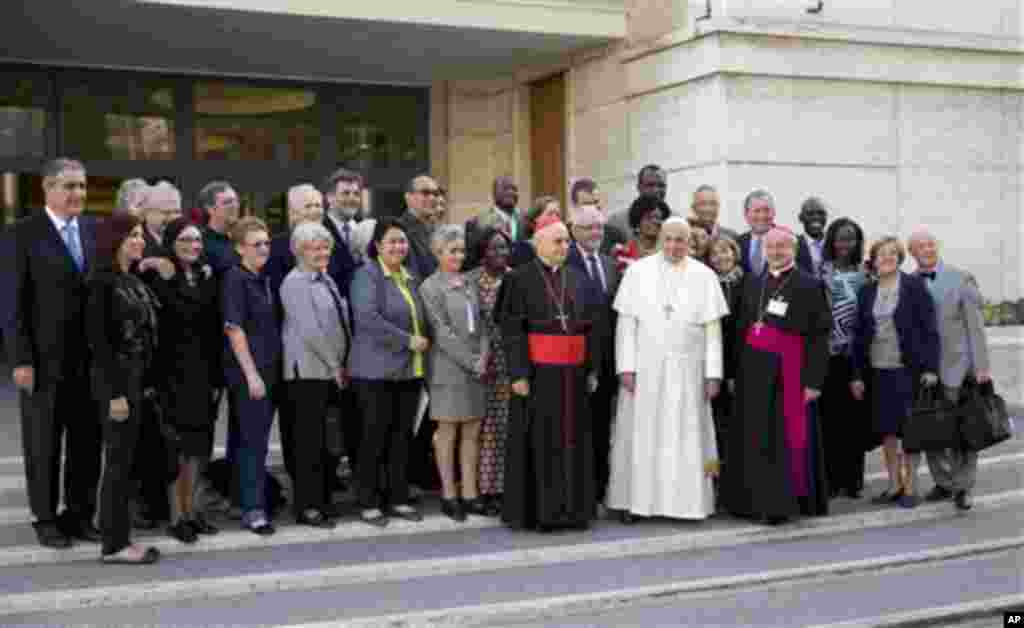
933	423
984	420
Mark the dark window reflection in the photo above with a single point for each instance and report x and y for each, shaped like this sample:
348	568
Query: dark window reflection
119	121
23	114
385	133
239	122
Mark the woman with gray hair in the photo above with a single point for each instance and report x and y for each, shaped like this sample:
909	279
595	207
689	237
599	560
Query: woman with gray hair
458	397
316	336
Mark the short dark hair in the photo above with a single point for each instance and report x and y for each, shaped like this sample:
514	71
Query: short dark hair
648	169
207	196
384	224
110	234
250	224
339	175
813	203
476	248
583	184
758	194
828	254
56	167
645	205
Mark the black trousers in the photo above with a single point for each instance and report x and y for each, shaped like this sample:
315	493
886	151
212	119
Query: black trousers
120	443
302	419
601	402
846	428
388	411
56	411
155	463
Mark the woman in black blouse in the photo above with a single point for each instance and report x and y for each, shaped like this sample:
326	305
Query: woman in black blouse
189	362
122	331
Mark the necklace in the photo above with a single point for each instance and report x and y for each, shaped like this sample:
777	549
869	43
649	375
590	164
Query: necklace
559	303
761	307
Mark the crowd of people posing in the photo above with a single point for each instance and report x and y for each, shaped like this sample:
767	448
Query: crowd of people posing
545	366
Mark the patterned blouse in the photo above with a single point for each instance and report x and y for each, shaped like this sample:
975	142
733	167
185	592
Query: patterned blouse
843	287
489	287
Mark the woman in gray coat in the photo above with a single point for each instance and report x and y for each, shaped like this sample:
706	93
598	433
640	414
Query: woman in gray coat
388	367
458	398
316	338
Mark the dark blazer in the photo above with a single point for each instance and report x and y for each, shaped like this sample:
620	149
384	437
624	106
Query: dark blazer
382	326
341	267
916	327
122	335
46	321
804	259
522	253
605	336
420	261
279	264
744	241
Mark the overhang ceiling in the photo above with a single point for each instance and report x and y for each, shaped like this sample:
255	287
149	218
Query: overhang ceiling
124	34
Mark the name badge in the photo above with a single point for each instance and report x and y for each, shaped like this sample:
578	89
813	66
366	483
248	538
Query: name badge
777	307
470	318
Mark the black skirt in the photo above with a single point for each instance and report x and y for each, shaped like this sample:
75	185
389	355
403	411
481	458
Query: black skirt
892	397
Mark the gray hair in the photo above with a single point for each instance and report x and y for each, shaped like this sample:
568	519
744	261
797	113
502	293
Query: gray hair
57	167
309	232
445	235
207	197
164	187
296	190
129	193
758	194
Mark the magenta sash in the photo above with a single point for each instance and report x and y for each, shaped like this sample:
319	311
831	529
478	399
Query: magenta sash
790	349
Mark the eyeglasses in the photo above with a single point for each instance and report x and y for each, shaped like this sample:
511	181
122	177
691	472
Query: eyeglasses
189	239
429	192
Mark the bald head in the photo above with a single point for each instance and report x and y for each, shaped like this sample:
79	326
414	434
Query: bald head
305	204
588	227
780	248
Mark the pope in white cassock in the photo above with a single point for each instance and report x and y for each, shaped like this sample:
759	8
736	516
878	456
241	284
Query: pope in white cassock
669	361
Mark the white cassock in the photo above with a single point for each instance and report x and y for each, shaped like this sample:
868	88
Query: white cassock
669	334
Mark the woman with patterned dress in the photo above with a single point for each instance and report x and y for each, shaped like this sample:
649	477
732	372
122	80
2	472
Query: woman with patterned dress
845	429
489	258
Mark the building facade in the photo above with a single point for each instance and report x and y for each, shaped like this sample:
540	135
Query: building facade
896	112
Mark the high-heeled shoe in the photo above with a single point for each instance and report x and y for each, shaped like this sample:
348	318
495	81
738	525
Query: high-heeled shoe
183	531
452	508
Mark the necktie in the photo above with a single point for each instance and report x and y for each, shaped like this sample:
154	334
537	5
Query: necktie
74	245
756	259
346	233
929	275
595	272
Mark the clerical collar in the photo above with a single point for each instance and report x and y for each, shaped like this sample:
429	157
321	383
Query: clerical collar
782	271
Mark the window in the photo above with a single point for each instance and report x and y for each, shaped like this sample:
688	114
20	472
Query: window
244	123
118	121
385	132
23	97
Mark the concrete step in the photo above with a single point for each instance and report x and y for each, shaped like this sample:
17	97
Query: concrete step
501	587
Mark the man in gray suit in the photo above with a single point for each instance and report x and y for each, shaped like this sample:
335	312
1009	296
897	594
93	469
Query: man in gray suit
964	352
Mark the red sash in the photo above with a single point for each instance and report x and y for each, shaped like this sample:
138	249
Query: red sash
557	350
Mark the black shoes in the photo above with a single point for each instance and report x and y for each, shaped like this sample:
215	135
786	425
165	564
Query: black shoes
963	500
315	519
79	529
183	531
452	508
476	506
201	526
626	517
50	535
938	494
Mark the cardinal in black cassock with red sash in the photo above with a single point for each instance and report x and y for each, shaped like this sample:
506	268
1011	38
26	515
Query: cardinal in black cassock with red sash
775	470
548	335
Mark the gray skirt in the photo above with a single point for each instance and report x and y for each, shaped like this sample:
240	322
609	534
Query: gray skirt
457	403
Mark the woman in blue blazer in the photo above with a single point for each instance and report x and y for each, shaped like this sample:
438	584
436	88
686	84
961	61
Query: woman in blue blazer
896	345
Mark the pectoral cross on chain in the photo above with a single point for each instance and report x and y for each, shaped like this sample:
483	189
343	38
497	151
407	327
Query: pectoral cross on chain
668	310
563	318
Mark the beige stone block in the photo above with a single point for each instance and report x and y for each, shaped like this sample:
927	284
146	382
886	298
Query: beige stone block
954	127
673	66
677	127
682	183
503	155
471	160
480	113
810	121
598	82
601	143
439	132
650	19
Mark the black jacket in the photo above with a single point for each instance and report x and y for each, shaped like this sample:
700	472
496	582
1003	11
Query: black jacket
915	322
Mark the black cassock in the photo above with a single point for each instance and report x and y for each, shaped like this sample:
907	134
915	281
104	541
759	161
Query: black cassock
775	468
549	479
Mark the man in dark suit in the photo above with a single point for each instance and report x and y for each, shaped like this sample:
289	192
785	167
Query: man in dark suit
584	191
588	225
503	215
811	242
651	182
705	208
420	219
759	211
53	250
